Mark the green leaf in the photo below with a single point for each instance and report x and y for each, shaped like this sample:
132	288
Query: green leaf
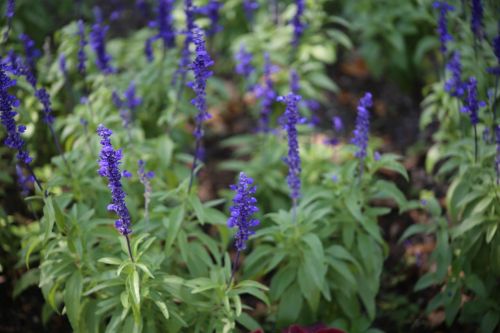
111	261
468	224
174	224
28	279
248	322
163	309
72	294
425	281
134	288
490	321
289	306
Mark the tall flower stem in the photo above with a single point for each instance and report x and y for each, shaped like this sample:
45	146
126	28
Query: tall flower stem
193	167
30	169
129	248
494	106
475	143
59	149
233	270
294	211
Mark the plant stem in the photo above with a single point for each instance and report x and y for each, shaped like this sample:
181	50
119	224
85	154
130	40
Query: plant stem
294	211
475	143
129	248
36	180
235	265
59	149
494	106
193	167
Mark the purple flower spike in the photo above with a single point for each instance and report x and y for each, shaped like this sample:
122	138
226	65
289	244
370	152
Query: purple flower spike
44	98
289	121
496	50
442	28
25	182
185	58
362	126
472	104
31	52
243	60
7	104
82	57
249	7
9	14
212	11
201	71
98	43
242	211
476	22
133	101
298	25
267	94
165	24
454	85
109	167
62	65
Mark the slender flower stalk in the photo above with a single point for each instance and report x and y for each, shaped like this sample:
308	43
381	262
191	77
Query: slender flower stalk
200	68
337	126
298	25
82	56
109	167
294	82
145	179
241	214
442	28
98	43
497	158
9	14
289	122
472	106
362	129
165	24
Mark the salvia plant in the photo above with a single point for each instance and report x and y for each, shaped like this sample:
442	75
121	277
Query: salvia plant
127	221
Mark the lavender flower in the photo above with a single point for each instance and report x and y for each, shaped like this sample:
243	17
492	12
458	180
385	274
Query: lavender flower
9	14
476	22
165	24
442	28
201	71
472	105
7	103
185	58
290	121
249	7
454	85
82	57
242	210
267	95
496	50
31	52
211	10
128	105
109	167
25	182
145	178
98	43
131	98
298	25
44	98
338	126
243	60
362	127
313	106
62	65
143	7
